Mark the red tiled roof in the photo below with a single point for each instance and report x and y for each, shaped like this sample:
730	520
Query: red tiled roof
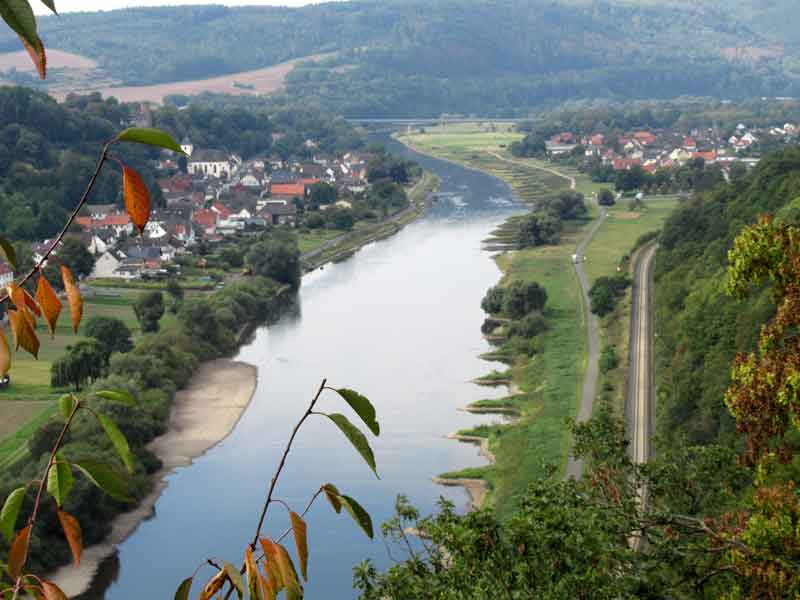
288	189
205	218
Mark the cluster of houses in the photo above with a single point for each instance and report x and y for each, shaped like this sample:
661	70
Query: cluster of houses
666	149
219	195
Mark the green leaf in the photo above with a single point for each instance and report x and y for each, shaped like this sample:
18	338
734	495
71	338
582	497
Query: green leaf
66	404
359	515
150	137
51	5
10	512
236	579
333	496
182	593
117	396
118	440
104	477
363	408
60	480
8	253
358	439
19	16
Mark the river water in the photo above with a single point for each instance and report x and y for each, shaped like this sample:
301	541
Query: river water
399	322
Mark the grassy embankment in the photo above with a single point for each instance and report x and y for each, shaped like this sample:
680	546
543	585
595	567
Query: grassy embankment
545	388
29	401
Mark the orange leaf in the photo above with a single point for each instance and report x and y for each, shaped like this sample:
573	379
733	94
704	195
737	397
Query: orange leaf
279	556
31	303
5	355
213	586
23	333
29	318
51	305
72	530
52	591
18	554
17	295
137	198
268	588
253	584
301	540
38	56
73	297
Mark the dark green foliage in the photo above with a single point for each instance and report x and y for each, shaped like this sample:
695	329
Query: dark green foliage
567	206
492	302
175	290
83	362
343	218
523	297
608	359
605	197
278	259
537	229
699	326
149	308
531	146
112	333
322	193
528	326
387	166
605	291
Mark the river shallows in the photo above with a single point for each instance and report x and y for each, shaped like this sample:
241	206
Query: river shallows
399	322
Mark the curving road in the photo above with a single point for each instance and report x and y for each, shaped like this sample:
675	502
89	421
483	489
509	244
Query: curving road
639	410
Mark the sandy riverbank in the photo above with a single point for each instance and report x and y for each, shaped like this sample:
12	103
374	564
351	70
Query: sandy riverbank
203	414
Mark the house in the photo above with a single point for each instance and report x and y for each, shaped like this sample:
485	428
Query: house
288	190
645	138
625	164
187	146
210	163
689	144
206	220
278	213
38	251
99	211
6	275
221	210
107	264
709	156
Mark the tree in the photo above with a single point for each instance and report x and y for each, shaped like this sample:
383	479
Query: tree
605	197
537	229
604	293
322	193
82	363
343	219
523	297
175	290
149	308
492	302
276	259
568	205
74	255
111	332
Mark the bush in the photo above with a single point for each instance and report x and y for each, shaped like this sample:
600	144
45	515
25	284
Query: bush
528	326
605	197
492	302
523	297
605	291
149	308
608	359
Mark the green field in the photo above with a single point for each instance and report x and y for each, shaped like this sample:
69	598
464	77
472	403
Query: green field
314	238
29	400
546	388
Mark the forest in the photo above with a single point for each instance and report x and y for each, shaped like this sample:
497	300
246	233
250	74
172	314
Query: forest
419	58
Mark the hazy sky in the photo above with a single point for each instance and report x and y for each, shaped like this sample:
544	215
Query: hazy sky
78	5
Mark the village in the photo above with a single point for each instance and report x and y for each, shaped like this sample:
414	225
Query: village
664	149
217	195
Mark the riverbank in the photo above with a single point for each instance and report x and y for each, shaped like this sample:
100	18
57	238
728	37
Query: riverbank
203	415
207	410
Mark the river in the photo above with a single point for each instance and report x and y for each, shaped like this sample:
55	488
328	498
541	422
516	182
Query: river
399	322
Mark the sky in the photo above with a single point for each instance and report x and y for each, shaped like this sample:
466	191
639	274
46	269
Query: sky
90	5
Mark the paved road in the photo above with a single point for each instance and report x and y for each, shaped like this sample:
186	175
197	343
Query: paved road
589	391
639	403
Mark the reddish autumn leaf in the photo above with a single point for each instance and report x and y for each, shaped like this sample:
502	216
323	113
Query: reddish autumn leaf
52	591
17	295
137	198
38	56
73	533
18	553
24	335
301	540
73	297
49	302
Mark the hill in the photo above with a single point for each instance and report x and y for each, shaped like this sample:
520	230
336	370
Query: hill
470	56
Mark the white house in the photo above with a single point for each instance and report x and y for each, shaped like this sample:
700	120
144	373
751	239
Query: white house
210	163
187	147
106	265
